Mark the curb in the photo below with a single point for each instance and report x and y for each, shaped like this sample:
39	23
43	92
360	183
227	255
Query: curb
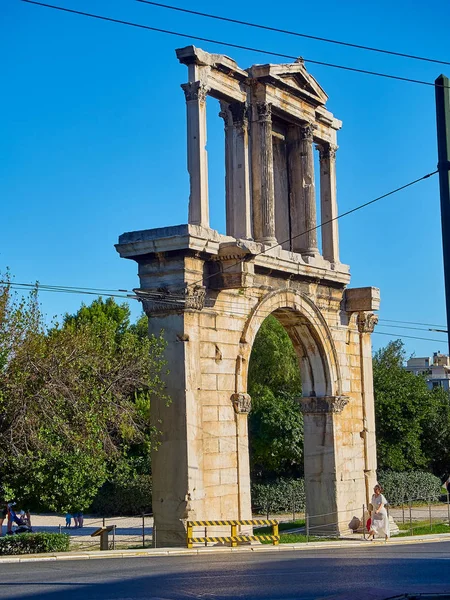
151	552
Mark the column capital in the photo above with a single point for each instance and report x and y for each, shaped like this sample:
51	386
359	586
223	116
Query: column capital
239	113
366	322
242	403
196	90
264	111
307	132
314	405
327	152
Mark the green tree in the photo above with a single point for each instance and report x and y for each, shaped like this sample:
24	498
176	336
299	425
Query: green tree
403	404
74	399
275	422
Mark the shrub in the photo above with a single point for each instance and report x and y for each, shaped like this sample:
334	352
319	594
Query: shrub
34	543
409	485
284	495
130	498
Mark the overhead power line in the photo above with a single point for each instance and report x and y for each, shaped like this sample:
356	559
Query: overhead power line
410	337
345	214
294	33
228	44
412	323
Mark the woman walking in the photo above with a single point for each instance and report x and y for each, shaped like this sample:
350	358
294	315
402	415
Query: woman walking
380	520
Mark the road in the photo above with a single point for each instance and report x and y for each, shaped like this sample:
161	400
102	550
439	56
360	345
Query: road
374	572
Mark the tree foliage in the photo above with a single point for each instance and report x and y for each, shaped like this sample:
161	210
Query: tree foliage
412	421
74	399
275	422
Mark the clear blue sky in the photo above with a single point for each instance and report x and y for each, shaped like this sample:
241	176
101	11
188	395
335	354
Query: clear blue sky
93	135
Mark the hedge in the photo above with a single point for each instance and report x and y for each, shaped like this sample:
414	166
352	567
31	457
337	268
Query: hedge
409	485
287	495
34	543
132	498
284	495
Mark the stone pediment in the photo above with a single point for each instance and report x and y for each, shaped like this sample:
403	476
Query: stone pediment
294	78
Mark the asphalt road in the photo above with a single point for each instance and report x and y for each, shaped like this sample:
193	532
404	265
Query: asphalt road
374	572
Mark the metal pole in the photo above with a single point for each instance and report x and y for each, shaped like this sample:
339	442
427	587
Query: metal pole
429	513
104	522
293	504
307	528
410	519
363	523
442	92
448	507
114	537
403	513
143	530
60	528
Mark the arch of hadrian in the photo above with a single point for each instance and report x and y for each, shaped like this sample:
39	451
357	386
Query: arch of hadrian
211	292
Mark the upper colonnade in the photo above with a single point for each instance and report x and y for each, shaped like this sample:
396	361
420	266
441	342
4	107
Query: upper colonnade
274	116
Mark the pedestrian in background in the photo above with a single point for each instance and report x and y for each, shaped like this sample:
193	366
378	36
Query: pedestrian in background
68	519
380	521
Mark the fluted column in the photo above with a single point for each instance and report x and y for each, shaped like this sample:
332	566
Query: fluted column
196	93
304	194
328	203
262	174
237	170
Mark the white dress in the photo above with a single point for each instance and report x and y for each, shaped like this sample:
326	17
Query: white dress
380	520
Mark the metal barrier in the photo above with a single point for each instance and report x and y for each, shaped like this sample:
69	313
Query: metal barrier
233	538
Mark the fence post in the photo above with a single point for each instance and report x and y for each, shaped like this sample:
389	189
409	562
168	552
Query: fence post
403	512
410	519
206	535
143	530
60	528
429	514
363	523
448	506
307	527
275	532
114	538
293	504
189	536
104	522
154	534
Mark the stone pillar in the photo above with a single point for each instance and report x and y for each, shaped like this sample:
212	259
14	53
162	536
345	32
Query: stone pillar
366	322
195	93
322	458
237	170
262	174
303	191
242	404
328	203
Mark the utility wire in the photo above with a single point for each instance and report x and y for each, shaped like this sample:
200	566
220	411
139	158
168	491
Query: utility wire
412	323
410	337
229	44
415	328
348	212
294	33
159	297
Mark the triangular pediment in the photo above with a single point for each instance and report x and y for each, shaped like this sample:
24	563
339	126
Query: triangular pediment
294	78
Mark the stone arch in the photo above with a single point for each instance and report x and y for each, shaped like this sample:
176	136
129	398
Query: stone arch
310	335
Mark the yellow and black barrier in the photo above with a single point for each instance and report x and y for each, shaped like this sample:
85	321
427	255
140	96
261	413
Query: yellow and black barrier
233	538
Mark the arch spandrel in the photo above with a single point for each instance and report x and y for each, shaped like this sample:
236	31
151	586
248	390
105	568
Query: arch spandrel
310	335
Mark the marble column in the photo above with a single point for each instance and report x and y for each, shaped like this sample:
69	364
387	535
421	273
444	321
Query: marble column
306	243
328	203
237	170
196	93
242	404
366	322
262	174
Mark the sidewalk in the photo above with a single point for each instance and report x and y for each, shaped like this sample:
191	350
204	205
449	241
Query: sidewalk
88	555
